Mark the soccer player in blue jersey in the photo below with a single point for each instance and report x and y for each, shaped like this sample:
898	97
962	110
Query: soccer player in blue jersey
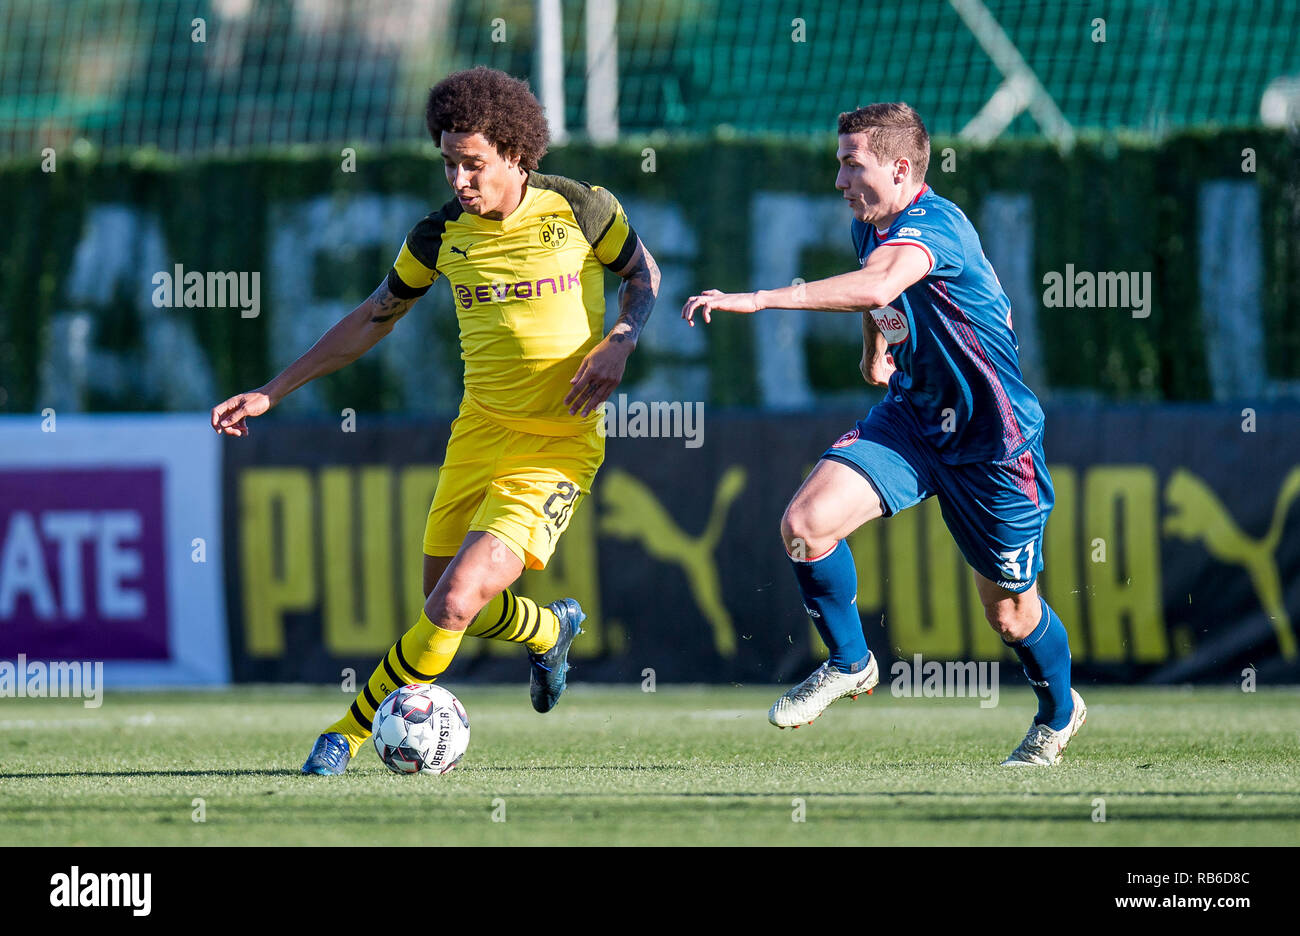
957	422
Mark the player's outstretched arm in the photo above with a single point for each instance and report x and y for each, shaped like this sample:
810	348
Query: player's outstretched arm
602	369
886	274
351	337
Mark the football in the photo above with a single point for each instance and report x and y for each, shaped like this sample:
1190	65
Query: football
421	729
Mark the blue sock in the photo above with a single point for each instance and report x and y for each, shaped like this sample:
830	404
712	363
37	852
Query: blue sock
1045	655
830	589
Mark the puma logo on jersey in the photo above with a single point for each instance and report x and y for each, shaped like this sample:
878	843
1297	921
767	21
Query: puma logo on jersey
463	253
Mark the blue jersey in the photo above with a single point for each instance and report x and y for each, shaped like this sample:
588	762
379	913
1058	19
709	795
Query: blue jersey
955	354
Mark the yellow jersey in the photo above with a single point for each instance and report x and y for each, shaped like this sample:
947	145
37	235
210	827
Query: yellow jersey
529	293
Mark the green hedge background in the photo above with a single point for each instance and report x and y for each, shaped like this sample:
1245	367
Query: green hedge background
1109	204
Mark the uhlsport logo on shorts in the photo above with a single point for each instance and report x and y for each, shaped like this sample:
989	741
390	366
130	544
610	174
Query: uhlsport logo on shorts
892	324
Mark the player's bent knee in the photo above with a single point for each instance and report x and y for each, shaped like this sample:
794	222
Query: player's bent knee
998	620
787	529
802	535
1009	619
455	607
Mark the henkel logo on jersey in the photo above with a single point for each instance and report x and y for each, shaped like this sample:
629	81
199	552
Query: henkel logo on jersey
466	296
892	324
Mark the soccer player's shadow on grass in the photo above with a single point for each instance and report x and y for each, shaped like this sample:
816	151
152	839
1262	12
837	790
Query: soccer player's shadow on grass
44	774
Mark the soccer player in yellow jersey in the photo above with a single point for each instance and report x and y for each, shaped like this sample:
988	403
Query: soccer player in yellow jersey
524	255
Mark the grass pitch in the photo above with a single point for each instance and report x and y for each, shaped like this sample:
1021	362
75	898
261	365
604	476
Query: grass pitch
682	766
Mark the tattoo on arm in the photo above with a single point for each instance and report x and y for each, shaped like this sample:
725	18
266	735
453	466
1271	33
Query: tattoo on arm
385	306
636	299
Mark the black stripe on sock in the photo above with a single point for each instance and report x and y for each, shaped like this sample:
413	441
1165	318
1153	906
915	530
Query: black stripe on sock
394	660
505	607
537	625
502	623
361	719
401	659
524	617
523	621
370	698
388	667
507	617
516	623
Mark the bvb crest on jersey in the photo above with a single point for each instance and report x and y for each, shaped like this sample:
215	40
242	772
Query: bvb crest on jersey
553	234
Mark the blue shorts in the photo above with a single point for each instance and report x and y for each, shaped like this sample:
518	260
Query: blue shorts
996	511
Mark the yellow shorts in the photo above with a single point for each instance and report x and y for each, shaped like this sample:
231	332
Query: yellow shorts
521	488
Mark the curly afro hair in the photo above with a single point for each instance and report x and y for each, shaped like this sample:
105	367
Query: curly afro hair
503	109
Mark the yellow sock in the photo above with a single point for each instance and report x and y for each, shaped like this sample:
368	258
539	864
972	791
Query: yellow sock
420	656
521	620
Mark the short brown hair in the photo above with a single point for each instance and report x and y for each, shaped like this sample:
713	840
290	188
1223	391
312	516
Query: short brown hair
893	131
484	100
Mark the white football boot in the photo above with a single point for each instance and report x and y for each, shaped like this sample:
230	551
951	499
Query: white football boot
1043	747
804	702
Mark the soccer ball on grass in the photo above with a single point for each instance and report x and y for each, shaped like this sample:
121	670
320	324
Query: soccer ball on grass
421	729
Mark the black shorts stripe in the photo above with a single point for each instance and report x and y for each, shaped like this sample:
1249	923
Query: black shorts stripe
401	659
364	722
